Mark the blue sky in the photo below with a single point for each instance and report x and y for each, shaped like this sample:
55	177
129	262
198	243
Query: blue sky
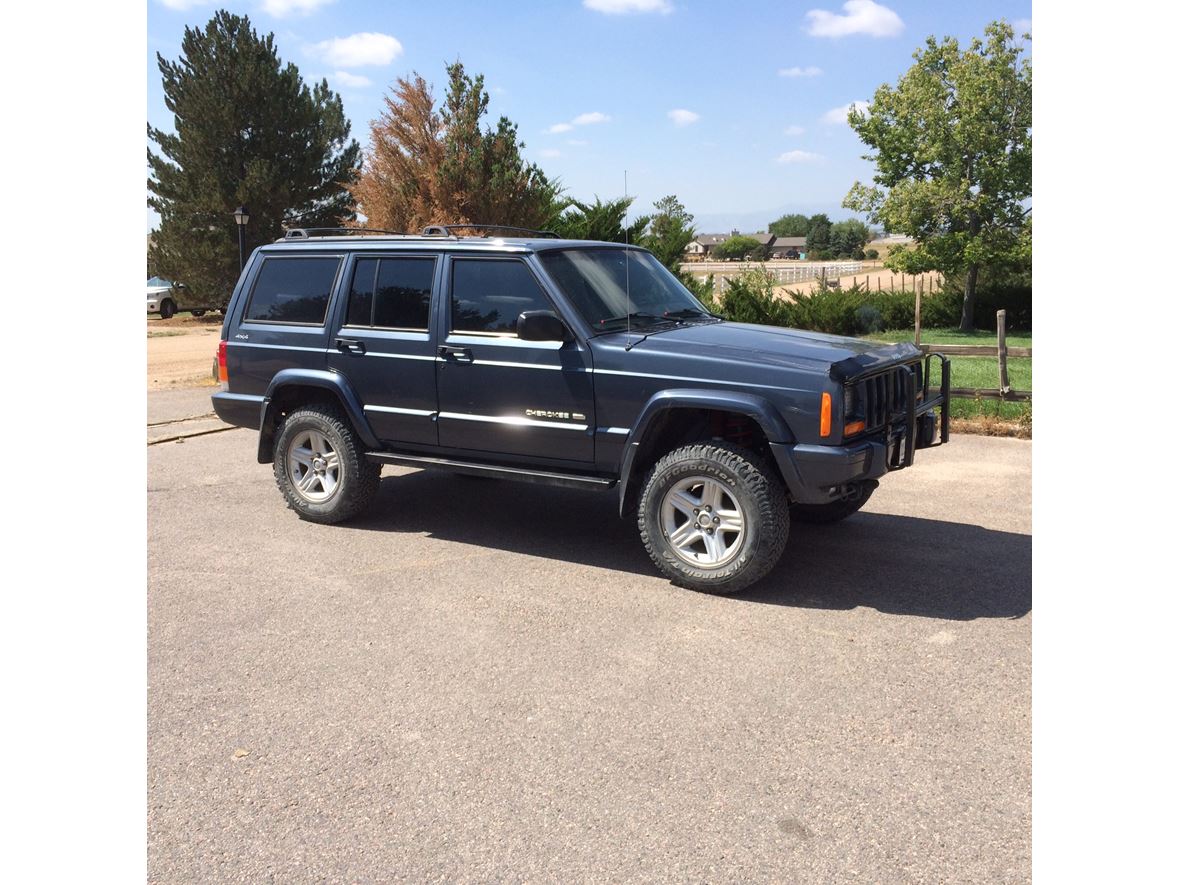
731	106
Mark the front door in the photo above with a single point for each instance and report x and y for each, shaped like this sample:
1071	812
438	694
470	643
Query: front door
498	394
383	345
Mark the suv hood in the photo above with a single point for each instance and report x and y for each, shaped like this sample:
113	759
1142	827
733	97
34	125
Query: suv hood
775	345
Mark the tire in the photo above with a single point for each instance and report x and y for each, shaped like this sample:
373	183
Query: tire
167	309
197	313
740	491
317	486
820	514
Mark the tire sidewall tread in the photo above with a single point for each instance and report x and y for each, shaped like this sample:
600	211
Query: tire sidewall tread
756	488
359	477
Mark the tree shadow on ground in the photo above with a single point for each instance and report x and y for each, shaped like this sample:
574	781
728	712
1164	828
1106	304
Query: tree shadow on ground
895	564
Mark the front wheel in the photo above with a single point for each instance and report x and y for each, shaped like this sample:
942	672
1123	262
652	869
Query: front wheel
167	309
713	517
321	469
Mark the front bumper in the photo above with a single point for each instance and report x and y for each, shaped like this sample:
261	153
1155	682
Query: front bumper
822	474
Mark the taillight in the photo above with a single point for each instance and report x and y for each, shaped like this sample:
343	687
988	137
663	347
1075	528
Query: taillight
222	366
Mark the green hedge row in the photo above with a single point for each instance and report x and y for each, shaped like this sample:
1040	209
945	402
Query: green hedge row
857	311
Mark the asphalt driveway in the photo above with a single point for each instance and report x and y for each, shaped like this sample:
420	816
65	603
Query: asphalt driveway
483	681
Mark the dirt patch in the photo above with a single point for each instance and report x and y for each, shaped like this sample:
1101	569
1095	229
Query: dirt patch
989	425
180	353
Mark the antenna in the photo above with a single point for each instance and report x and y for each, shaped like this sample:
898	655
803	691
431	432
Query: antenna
627	261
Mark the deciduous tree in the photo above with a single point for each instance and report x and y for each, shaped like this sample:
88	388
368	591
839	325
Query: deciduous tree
952	143
247	131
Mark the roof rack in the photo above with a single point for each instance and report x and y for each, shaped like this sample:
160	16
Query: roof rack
307	233
446	230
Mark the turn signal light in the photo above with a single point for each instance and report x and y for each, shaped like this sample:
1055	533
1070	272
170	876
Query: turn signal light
825	414
222	366
853	427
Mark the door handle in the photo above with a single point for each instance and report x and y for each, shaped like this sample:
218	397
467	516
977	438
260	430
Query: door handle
456	354
350	345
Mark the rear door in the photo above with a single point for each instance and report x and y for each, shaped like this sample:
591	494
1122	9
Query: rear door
383	343
498	394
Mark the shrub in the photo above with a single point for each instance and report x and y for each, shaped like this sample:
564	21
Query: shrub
872	254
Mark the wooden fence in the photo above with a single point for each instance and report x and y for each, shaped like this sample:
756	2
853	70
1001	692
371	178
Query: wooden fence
1001	350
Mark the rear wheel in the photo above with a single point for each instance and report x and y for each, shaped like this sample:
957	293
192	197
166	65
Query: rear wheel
167	309
713	517
321	469
835	511
197	313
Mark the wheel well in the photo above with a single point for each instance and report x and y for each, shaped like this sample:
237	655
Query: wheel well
676	427
288	399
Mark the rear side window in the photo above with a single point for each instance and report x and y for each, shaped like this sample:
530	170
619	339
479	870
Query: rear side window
391	293
488	295
293	290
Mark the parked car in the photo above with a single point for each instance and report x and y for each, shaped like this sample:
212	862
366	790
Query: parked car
166	298
568	363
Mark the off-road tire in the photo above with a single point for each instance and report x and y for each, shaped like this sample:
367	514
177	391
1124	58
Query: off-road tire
359	478
197	313
750	482
820	514
167	309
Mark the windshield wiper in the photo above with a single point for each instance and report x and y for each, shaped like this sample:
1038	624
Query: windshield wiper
690	313
633	317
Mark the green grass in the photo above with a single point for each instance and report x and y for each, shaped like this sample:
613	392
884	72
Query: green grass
977	371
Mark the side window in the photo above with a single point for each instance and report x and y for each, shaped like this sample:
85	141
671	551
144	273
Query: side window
293	290
488	295
391	293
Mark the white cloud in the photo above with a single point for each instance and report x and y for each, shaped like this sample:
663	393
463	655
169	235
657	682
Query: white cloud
860	17
794	130
592	117
354	81
625	7
580	120
837	116
577	142
358	50
798	157
682	117
284	8
549	153
1022	26
809	71
184	4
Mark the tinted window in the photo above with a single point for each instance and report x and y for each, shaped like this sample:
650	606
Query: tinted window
360	299
403	293
293	290
488	296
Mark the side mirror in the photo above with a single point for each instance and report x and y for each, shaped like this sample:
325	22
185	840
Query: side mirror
541	325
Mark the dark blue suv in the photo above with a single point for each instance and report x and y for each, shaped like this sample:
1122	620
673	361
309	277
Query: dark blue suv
571	363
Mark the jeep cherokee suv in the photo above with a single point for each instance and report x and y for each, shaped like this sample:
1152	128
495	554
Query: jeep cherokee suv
564	362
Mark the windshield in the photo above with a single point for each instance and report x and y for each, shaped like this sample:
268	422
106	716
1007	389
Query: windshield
614	288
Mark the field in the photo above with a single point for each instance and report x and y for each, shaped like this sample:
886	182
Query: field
981	415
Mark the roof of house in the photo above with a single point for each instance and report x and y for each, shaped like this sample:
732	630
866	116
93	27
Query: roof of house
790	243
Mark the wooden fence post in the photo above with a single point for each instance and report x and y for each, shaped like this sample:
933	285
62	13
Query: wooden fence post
1002	350
917	317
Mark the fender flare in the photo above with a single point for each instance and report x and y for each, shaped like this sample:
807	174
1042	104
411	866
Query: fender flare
324	380
760	409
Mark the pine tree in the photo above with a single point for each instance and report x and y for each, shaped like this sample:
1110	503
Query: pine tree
248	132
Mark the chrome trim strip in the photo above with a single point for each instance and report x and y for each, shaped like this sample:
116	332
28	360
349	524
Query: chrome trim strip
509	365
513	421
396	411
614	429
430	358
501	341
233	343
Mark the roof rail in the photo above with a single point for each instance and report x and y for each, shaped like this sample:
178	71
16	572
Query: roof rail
447	230
307	233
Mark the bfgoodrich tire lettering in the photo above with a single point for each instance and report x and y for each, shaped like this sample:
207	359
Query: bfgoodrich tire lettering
320	467
723	488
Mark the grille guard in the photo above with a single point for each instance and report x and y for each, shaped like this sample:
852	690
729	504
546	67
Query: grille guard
899	430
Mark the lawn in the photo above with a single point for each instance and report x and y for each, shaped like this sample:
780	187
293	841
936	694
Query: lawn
978	371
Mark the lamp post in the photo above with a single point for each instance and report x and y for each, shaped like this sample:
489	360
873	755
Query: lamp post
241	216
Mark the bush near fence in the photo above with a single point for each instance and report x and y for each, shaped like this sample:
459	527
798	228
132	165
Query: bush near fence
856	310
